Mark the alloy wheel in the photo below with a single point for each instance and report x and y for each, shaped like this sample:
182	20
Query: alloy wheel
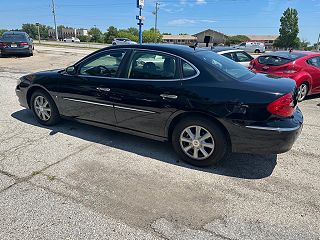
42	108
303	91
197	142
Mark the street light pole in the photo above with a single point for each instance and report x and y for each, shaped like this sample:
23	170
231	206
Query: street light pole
54	19
318	43
156	15
140	25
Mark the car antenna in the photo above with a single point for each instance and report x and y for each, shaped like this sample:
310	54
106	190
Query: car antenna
194	46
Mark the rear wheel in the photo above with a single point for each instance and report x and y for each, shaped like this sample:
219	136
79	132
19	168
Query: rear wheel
199	141
44	108
257	51
303	91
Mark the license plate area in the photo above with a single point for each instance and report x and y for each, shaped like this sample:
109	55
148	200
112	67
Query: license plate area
14	45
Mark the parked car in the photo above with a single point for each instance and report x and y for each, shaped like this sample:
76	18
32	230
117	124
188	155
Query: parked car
252	47
16	43
123	41
301	66
72	40
236	55
204	103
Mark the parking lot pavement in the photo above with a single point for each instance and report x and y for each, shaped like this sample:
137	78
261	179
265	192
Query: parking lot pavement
81	182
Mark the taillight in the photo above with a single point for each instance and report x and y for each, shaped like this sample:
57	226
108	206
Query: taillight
24	44
290	71
283	106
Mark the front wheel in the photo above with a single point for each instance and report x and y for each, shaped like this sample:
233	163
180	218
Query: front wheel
199	141
44	108
303	92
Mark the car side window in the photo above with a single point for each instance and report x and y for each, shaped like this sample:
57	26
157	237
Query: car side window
105	65
152	65
315	61
243	44
228	55
243	57
188	70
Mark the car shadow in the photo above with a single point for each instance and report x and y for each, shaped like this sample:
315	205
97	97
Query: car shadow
14	56
246	166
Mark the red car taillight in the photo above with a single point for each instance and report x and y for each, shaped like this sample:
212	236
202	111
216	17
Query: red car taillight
283	106
24	44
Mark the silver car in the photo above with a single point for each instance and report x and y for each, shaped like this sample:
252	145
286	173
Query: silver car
253	47
123	41
236	55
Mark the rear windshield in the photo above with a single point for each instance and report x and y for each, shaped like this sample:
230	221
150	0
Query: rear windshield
225	65
14	37
279	58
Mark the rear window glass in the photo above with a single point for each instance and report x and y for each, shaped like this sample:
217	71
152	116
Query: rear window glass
13	37
273	60
279	58
225	65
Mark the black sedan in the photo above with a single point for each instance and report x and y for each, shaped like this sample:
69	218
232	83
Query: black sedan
205	104
16	43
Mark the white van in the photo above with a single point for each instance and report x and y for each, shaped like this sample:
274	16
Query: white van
253	47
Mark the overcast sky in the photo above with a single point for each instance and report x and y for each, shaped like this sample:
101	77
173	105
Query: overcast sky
175	16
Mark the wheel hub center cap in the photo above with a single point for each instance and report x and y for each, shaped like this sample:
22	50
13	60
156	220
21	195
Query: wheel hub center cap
196	143
41	109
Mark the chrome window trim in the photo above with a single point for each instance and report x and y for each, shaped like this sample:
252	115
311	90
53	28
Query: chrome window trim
144	80
277	129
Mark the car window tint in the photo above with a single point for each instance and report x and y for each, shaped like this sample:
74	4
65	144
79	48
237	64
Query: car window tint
188	70
273	60
14	37
225	65
243	57
105	65
151	65
315	61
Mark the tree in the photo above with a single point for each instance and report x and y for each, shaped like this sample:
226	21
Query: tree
236	39
32	30
112	32
304	44
289	30
2	31
96	35
151	36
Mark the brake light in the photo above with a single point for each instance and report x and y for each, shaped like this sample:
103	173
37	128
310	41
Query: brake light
24	44
283	106
290	71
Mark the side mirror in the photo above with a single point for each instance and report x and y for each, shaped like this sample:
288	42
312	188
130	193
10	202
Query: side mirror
71	70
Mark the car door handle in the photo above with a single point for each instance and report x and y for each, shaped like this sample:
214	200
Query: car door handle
103	89
168	96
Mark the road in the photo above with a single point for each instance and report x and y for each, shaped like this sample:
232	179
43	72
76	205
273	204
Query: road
74	181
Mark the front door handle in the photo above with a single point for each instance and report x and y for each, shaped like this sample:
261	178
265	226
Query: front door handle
168	96
103	89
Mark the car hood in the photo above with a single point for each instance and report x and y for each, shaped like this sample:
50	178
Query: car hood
43	74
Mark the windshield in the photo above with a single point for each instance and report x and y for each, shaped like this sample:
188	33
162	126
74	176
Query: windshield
225	65
13	37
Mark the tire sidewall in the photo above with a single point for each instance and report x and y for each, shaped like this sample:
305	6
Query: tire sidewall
220	141
300	100
55	116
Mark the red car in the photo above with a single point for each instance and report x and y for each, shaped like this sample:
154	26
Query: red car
301	66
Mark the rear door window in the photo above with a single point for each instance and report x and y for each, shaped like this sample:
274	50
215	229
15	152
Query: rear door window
187	70
243	57
153	66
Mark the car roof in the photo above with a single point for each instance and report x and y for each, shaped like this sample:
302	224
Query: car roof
292	54
15	33
173	48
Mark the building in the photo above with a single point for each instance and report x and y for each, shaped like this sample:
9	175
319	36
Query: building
68	33
179	39
210	36
268	40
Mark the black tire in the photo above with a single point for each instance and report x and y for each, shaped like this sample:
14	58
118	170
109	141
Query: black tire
220	141
257	51
54	115
303	95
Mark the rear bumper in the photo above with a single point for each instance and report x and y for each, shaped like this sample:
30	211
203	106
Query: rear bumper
273	137
15	50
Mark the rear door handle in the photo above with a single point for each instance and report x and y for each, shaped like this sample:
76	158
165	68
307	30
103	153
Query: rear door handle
103	89
168	96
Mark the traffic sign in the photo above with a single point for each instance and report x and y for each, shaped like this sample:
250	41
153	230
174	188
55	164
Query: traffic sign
140	3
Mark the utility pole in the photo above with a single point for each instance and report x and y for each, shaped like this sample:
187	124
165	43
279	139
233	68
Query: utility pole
140	5
318	43
156	19
54	19
38	25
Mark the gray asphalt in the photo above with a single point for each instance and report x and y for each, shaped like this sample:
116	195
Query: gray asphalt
74	181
